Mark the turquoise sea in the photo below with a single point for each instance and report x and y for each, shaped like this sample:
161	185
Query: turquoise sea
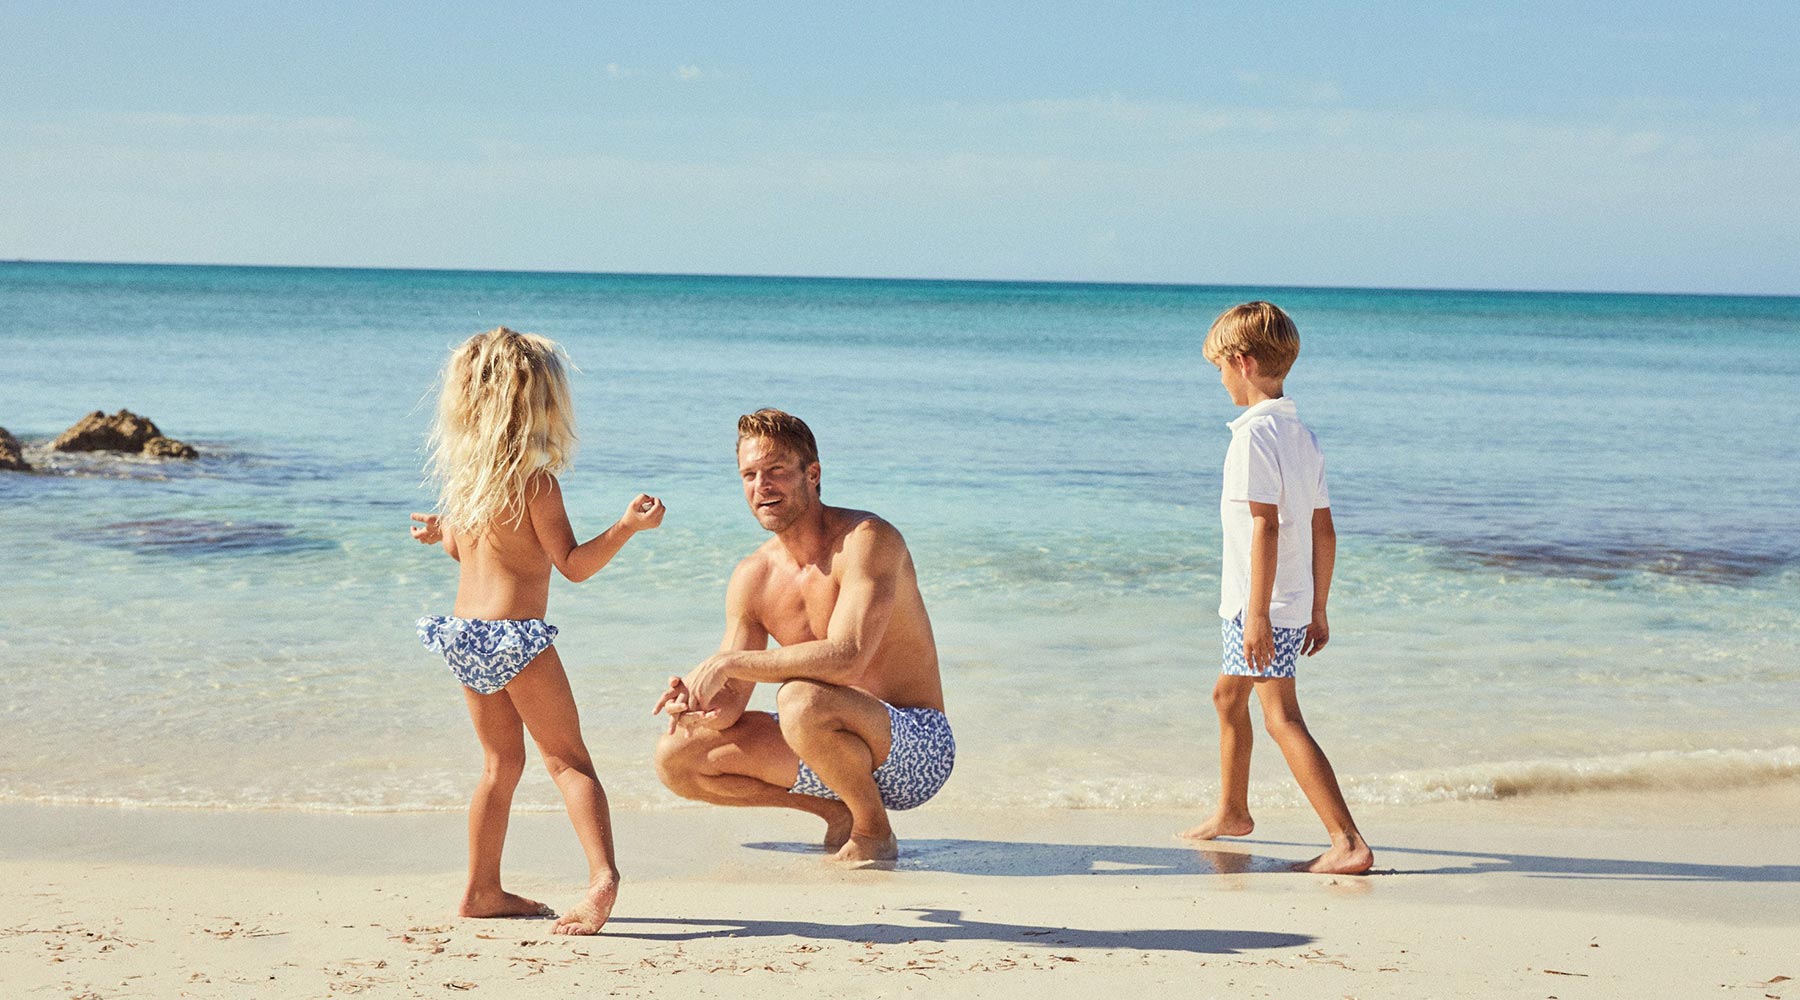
1570	545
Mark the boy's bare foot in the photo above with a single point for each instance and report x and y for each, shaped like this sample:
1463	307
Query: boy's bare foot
500	903
837	829
1221	825
1349	859
589	915
859	849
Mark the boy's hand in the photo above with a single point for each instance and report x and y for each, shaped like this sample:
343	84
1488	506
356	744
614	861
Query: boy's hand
1259	644
427	531
643	513
1317	634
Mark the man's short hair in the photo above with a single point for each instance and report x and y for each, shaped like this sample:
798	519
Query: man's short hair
1258	329
783	429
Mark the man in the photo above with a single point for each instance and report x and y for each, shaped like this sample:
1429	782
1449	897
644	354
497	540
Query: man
859	727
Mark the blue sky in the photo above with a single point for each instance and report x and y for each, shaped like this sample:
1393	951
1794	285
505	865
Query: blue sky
1568	146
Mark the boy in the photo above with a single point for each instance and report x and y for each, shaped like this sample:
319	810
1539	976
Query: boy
1279	550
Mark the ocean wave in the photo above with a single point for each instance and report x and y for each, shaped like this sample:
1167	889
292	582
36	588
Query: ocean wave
1696	770
1671	770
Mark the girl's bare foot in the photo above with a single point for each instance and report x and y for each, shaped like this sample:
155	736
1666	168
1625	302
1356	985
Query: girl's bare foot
1353	858
589	915
859	849
500	903
1221	825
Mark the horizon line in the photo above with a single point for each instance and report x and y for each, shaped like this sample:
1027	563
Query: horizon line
747	276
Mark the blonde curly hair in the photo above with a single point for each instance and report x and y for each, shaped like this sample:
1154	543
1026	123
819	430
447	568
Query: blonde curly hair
503	416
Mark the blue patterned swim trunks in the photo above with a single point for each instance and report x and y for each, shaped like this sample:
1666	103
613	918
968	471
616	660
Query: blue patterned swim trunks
1287	651
918	764
486	655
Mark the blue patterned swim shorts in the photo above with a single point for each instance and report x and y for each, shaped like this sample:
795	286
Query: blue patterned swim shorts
923	754
1287	651
486	655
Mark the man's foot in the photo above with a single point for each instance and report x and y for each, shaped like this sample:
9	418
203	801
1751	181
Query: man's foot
1221	825
500	903
837	828
1351	859
589	915
862	850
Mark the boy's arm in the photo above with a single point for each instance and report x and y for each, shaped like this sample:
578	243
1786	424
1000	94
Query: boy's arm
550	519
1265	537
1324	560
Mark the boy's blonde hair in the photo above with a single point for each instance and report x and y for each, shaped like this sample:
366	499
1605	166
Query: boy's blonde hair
504	415
1258	329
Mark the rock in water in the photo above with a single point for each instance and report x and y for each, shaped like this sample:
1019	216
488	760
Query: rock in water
162	447
123	431
12	458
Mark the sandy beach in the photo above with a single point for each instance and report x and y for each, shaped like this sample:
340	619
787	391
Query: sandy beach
1602	895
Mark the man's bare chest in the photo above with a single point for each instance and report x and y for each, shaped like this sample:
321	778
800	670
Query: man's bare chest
797	607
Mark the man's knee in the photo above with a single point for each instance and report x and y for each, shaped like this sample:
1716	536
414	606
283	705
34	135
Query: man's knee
805	704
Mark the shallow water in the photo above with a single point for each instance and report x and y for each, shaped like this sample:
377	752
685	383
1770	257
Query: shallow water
1568	552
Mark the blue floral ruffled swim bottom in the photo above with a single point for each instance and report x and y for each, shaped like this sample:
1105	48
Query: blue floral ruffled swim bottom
918	765
486	655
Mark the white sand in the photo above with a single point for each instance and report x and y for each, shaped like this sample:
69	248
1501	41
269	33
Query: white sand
1623	894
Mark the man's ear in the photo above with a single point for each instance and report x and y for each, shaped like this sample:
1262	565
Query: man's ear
812	475
1246	365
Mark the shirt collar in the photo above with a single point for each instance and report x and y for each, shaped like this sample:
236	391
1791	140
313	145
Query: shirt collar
1280	406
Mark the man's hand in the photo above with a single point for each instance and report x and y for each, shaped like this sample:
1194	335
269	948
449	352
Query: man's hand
704	682
1259	644
1317	634
643	513
677	703
427	531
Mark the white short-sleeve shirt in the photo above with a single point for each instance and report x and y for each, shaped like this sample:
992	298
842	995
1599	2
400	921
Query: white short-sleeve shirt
1273	458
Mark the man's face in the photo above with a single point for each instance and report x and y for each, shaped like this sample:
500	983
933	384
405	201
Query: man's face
779	490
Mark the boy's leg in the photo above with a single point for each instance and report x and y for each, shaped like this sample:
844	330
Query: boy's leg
503	761
1231	698
542	697
1349	853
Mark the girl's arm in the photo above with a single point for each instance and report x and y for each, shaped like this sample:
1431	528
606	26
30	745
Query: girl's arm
428	532
578	562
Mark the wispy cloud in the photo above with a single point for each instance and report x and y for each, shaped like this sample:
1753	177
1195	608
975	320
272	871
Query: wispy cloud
688	71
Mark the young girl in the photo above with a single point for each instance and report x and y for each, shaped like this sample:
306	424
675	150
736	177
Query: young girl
504	429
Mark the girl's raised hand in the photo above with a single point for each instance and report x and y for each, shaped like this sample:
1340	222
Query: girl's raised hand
643	513
427	531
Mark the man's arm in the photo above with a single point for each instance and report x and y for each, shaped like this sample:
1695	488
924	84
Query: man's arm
743	631
1324	560
872	557
1265	537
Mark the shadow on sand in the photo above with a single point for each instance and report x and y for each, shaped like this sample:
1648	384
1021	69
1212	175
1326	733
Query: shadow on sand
1551	866
950	925
1005	857
1024	858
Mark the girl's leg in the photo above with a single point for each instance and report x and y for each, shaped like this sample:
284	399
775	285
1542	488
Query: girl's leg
503	760
541	695
1349	853
1231	698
